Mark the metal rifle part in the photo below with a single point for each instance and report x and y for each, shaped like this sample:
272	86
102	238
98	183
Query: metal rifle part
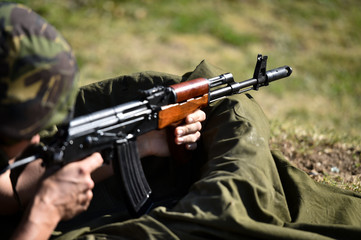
261	78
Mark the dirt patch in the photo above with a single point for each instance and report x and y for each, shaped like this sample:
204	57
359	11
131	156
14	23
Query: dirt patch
336	164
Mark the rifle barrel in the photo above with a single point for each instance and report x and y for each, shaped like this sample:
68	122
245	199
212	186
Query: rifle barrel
253	83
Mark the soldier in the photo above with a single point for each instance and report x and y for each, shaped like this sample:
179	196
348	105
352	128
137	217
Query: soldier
38	78
238	187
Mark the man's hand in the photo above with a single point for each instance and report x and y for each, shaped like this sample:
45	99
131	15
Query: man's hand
155	143
189	133
61	196
69	190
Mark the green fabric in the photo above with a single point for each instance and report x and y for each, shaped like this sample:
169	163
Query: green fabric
243	190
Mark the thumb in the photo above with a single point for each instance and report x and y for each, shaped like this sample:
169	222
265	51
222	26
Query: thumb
92	162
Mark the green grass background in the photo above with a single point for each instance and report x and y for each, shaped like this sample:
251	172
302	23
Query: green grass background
319	39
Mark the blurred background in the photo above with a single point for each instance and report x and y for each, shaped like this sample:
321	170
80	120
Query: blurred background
319	39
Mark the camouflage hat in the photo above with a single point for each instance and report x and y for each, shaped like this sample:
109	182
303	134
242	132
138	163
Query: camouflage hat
38	73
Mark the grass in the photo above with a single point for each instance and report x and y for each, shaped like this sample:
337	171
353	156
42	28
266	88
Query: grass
319	39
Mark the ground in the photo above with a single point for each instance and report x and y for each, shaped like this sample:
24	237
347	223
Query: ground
336	164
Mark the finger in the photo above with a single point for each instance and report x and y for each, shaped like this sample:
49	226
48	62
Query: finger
83	179
197	116
191	146
191	138
82	198
188	129
92	162
89	183
89	196
85	197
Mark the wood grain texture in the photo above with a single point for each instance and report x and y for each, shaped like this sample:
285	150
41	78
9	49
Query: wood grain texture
179	111
191	89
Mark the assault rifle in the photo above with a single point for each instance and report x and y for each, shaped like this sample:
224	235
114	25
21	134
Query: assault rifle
113	131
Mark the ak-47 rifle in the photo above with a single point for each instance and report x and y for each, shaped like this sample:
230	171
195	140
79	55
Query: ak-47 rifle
113	131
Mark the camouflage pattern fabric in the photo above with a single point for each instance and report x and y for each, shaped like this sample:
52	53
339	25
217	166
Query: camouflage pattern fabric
243	189
38	73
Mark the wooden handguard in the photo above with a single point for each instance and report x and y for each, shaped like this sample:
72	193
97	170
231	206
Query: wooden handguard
191	89
180	111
